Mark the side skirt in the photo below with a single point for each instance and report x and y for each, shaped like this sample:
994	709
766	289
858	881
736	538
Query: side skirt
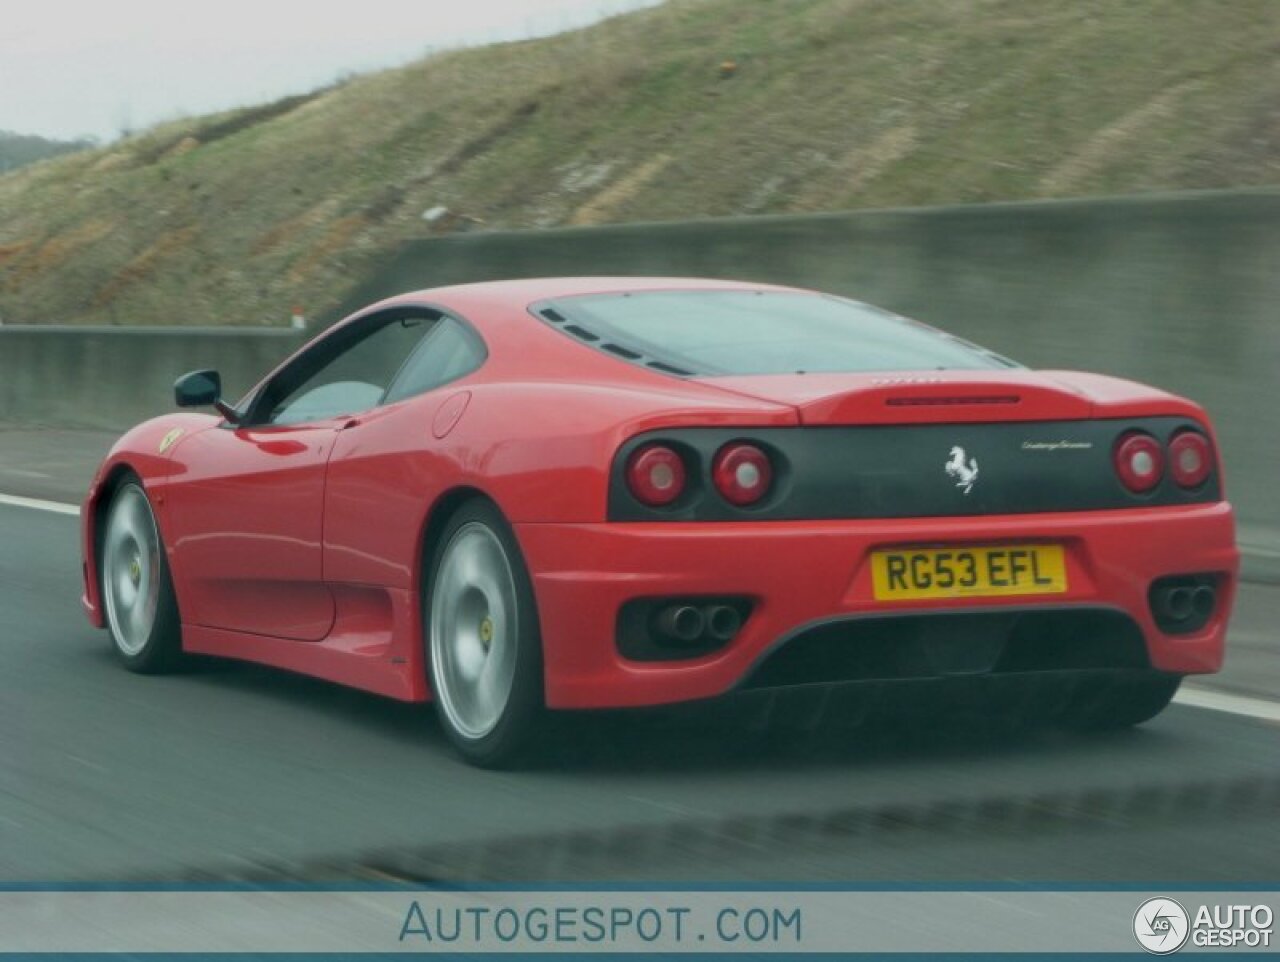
374	644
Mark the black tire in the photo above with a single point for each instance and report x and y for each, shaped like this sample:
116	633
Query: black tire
455	617
146	640
1121	704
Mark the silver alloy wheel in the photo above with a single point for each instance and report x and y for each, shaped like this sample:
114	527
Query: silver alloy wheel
473	629
131	570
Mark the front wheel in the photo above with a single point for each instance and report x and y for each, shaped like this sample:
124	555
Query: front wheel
137	592
483	646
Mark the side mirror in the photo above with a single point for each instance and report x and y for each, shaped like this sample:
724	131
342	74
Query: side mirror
201	389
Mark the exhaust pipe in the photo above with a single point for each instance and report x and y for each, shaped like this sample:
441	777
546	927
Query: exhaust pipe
1177	603
1203	600
683	623
1182	604
723	622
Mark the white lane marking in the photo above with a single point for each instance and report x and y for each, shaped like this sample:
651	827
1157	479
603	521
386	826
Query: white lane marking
1264	549
1260	708
57	507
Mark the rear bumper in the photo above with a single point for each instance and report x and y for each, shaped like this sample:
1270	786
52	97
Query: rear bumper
802	573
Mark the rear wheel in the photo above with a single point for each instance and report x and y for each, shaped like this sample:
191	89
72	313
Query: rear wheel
483	646
1122	704
137	592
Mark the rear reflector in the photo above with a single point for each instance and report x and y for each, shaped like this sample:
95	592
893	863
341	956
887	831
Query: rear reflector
742	473
1190	459
1139	461
656	475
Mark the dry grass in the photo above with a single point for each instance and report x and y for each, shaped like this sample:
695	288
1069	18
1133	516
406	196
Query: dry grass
1115	139
832	104
9	251
599	208
334	239
53	253
144	265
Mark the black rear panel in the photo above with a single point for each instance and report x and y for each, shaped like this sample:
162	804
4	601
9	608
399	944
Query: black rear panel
906	471
939	644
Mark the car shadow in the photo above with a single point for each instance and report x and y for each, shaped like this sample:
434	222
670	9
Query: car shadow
726	734
707	739
403	722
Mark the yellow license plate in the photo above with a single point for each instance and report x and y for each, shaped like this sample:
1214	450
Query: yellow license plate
994	571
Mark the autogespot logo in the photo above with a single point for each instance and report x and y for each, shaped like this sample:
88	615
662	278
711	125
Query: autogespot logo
1161	926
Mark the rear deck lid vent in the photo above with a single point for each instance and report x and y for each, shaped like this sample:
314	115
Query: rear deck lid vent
618	350
581	333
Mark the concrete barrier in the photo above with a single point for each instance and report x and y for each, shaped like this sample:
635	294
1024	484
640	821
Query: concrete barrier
111	377
1178	290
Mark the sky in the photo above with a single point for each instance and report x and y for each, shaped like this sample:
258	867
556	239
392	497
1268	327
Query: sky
71	68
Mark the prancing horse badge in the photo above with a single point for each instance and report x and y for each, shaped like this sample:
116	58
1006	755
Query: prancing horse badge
169	439
964	471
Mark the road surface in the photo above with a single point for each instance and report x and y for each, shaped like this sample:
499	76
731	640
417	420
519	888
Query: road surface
234	771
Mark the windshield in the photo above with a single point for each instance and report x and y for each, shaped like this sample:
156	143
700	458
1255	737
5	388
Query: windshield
760	332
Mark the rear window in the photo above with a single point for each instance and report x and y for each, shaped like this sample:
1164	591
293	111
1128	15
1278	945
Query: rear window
709	333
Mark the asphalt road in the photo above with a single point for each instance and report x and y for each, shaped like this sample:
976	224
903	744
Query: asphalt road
234	771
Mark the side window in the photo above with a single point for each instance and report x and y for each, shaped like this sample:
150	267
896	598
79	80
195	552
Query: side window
346	373
448	351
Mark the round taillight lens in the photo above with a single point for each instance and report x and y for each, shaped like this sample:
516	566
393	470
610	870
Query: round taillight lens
655	475
742	473
1139	461
1190	460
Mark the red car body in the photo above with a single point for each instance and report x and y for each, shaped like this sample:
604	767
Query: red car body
303	546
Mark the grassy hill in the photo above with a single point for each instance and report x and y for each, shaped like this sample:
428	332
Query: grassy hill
825	104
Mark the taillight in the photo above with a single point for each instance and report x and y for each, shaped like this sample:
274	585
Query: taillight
1190	460
742	473
1139	461
655	475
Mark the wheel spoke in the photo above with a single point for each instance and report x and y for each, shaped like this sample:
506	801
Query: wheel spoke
131	570
486	702
472	626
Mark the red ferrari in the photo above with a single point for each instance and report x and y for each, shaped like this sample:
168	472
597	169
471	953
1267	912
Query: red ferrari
600	492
